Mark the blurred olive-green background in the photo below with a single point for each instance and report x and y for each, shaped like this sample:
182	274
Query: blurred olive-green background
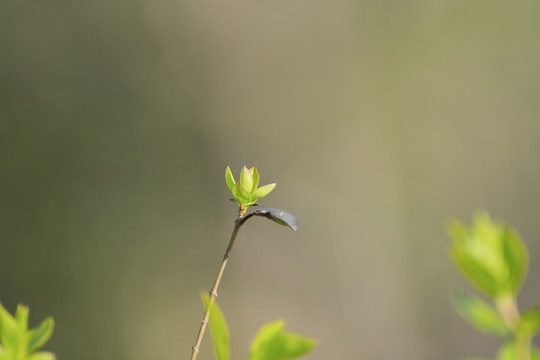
379	120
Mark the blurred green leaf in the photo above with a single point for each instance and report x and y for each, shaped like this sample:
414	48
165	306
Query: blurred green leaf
8	329
218	328
530	322
39	336
481	315
475	272
42	355
516	257
491	255
272	343
21	316
509	352
18	343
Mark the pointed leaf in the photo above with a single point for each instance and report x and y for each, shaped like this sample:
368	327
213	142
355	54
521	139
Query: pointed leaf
475	272
246	179
272	343
40	335
7	322
263	191
218	328
229	178
482	316
256	177
21	316
491	254
516	257
15	338
280	216
10	336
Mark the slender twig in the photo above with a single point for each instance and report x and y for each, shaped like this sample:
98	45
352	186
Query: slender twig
242	218
213	293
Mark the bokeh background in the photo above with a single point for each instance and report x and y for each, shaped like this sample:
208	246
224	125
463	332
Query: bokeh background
379	120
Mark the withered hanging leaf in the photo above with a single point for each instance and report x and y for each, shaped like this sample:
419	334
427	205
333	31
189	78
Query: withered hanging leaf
280	216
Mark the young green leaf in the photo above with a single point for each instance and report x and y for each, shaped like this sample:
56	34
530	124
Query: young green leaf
263	191
477	274
19	343
8	329
273	343
229	178
218	328
39	336
507	352
255	174
21	317
491	255
480	315
530	322
242	196
246	179
516	257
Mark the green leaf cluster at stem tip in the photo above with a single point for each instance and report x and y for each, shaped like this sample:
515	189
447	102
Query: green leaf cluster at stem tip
272	342
19	343
246	192
490	254
494	258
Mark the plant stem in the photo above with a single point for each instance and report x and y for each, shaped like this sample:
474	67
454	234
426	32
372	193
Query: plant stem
213	293
508	308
